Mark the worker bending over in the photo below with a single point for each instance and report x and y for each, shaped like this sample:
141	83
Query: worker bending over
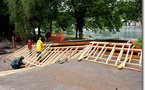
17	63
40	47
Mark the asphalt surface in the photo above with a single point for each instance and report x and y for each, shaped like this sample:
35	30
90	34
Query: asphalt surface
5	63
73	75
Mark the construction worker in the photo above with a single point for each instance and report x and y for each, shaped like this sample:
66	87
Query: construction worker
30	44
17	63
46	35
40	47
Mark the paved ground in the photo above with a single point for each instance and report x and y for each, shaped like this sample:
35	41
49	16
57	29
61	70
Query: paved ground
4	63
73	75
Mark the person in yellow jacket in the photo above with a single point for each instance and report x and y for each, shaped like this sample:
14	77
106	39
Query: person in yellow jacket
40	46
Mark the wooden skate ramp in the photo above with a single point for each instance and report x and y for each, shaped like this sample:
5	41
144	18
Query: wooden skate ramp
107	53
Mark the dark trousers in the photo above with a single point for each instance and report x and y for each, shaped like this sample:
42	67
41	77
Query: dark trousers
38	54
46	39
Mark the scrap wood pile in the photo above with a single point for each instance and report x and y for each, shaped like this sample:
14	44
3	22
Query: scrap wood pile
120	55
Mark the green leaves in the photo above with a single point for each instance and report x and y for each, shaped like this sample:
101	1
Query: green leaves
27	15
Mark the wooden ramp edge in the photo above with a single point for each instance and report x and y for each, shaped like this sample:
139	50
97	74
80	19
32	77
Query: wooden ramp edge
8	72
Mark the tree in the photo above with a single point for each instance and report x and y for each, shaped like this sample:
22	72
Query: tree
103	14
26	15
5	26
130	10
78	9
98	14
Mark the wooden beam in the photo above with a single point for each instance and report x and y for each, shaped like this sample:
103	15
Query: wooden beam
100	52
111	54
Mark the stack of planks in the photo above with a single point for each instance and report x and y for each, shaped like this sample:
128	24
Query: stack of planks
120	55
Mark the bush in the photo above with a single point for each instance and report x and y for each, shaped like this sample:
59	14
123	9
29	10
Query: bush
139	42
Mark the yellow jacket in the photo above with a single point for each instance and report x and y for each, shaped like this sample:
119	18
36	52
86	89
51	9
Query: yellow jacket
40	46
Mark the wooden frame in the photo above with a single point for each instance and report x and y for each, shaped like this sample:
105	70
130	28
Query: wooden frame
111	60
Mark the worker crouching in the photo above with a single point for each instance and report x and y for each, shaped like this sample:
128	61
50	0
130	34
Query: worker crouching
17	63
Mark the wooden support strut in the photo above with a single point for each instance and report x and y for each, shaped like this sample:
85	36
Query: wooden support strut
126	59
48	55
140	59
100	52
92	51
85	51
119	56
111	54
130	58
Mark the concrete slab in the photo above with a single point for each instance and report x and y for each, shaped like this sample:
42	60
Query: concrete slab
73	75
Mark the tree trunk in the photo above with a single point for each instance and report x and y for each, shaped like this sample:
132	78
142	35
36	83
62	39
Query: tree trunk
39	33
79	26
50	28
81	34
76	33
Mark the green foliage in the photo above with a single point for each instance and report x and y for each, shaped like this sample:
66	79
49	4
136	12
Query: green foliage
131	10
139	42
6	27
104	16
90	36
63	15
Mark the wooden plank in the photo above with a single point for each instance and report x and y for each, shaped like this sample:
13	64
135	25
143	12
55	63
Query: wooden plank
49	54
52	56
133	69
115	61
120	54
61	56
118	49
140	61
131	54
99	62
112	65
100	52
96	51
85	51
77	55
103	53
73	53
35	59
92	51
57	54
16	52
126	58
111	54
110	43
4	73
